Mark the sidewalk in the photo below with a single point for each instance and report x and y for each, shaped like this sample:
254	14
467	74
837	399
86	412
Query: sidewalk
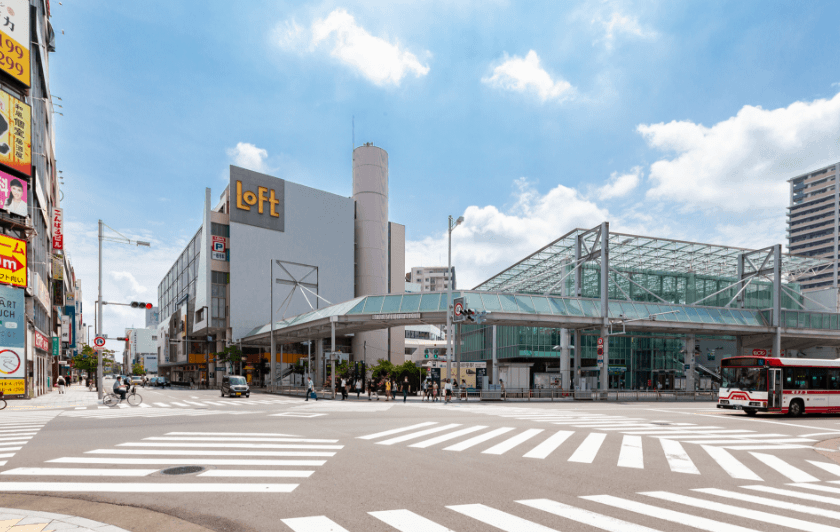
12	519
77	395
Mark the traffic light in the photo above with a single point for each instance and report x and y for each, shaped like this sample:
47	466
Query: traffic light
138	304
469	315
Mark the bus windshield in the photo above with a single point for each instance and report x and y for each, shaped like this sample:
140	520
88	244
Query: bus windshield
747	379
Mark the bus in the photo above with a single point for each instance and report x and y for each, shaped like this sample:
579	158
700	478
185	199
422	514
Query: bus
787	385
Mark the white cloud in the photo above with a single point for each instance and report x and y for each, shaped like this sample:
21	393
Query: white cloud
249	156
490	240
613	23
742	163
523	75
620	185
378	59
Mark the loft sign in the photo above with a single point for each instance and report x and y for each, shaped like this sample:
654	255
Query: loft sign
257	199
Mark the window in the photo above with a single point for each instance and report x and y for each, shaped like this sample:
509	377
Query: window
817	378
795	378
219	230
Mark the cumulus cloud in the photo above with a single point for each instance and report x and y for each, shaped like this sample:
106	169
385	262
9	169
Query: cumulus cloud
491	239
617	24
526	75
249	156
742	162
380	60
620	185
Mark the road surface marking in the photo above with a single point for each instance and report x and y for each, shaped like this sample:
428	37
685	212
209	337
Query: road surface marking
179	404
478	439
733	467
631	453
678	459
510	443
265	434
775	503
145	487
143	405
313	524
188	452
164	405
254	473
234	445
796	494
834	469
411	436
447	437
818	487
86	472
793	473
585	516
407	521
234	439
587	450
186	461
547	447
396	431
499	519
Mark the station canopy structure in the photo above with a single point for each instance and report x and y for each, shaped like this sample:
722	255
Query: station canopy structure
591	279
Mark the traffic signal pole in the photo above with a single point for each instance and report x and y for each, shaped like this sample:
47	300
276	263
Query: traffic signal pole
99	319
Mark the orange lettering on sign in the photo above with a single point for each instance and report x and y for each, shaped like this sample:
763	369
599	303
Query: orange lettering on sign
239	203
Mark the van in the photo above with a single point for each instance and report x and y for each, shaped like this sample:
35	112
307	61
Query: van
235	386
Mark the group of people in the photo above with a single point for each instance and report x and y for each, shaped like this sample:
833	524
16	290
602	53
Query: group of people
431	390
386	385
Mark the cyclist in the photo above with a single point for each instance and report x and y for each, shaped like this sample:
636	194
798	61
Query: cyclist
119	389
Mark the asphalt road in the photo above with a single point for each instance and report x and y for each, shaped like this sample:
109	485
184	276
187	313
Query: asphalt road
279	463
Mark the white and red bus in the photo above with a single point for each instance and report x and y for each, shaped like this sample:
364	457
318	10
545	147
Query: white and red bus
786	385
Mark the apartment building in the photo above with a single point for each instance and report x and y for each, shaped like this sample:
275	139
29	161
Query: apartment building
431	279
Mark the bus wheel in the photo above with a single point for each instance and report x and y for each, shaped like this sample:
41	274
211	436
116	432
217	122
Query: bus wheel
750	411
796	408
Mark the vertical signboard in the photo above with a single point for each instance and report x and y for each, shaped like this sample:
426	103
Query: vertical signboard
58	229
13	261
14	32
15	133
70	313
12	329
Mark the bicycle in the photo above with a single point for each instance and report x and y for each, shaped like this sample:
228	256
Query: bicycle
133	398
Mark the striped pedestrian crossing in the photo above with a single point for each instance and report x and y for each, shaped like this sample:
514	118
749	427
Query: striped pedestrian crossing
709	509
193	404
234	466
584	447
17	428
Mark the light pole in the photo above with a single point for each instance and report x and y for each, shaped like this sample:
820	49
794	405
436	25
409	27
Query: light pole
125	240
452	225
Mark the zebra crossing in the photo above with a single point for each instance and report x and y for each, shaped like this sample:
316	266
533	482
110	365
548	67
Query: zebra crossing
117	412
225	462
193	403
714	510
17	428
586	448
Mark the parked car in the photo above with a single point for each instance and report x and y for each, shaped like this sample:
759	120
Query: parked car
136	380
234	386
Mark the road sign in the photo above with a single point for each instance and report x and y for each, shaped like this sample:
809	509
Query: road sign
759	352
600	341
99	341
458	309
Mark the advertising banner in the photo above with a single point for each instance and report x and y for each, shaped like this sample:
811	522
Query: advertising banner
13	261
14	31
56	346
65	329
15	133
41	342
13	194
70	314
13	386
58	229
12	311
58	268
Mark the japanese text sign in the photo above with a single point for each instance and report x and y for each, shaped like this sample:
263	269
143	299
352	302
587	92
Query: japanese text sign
15	133
14	33
12	261
58	229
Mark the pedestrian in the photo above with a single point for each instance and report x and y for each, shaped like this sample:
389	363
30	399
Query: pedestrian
387	389
343	388
405	388
358	387
61	382
503	395
448	388
464	389
310	387
393	389
425	390
434	392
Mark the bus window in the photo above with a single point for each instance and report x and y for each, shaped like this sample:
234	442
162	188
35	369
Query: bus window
833	379
796	378
817	377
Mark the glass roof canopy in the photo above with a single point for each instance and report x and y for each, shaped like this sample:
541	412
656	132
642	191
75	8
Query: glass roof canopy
541	271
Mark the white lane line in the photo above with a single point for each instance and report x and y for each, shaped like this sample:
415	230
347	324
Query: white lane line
547	447
586	451
214	403
407	521
194	403
396	431
733	467
162	405
255	473
585	516
631	453
447	437
510	443
406	437
144	487
499	519
234	445
683	519
778	447
834	469
78	472
793	473
689	432
812	497
481	438
775	503
265	434
6	449
144	405
678	459
747	441
179	404
737	511
191	452
17	438
318	523
185	461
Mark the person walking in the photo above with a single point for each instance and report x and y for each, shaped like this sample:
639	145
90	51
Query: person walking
61	383
310	387
358	387
343	388
434	392
503	394
448	389
464	389
387	389
425	390
405	388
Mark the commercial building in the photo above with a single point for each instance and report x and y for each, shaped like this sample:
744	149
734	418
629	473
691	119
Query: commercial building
813	229
432	278
270	249
141	348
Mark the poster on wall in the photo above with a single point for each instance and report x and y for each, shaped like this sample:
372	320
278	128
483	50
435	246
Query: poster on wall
12	329
14	31
13	195
15	134
13	261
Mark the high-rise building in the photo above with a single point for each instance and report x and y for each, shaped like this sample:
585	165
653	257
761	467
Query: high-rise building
813	221
431	278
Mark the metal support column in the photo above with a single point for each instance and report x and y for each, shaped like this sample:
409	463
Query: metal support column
319	362
836	220
494	371
332	355
688	360
605	298
272	375
99	318
576	383
458	355
777	299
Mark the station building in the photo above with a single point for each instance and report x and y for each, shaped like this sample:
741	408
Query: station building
269	249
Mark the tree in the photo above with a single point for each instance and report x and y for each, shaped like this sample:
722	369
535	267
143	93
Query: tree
137	369
231	354
87	361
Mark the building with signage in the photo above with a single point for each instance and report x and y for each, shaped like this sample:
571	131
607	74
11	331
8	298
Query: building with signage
269	249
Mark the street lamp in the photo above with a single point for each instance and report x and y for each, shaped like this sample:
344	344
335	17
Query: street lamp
124	240
452	225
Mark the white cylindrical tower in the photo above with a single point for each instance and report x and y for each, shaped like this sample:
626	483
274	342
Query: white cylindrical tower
370	191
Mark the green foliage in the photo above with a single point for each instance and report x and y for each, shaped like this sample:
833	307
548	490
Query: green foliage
86	360
385	369
230	353
137	369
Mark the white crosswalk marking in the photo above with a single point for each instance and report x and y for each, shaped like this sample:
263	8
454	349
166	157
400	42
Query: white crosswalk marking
447	437
78	472
631	453
549	445
817	487
121	487
143	405
775	503
396	431
665	514
313	524
185	461
730	464
834	469
406	521
499	519
791	472
678	459
478	439
587	450
179	404
747	513
813	497
419	434
585	516
510	443
192	452
255	473
162	405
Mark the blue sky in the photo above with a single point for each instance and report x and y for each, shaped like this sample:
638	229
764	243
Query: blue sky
675	119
